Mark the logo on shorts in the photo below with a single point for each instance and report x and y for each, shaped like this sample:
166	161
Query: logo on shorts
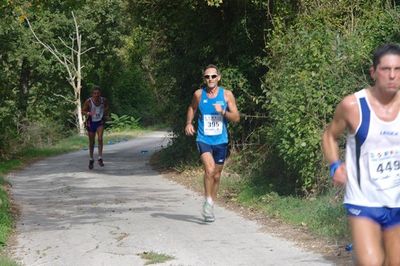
205	101
355	212
220	160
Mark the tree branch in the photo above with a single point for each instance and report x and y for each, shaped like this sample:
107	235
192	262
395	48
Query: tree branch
68	47
87	50
65	98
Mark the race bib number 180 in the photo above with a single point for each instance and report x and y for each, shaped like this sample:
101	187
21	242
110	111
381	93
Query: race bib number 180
213	125
384	168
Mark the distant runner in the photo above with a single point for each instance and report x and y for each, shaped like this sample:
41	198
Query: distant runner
371	172
216	105
96	110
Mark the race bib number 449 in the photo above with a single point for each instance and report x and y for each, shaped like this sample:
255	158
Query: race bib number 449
213	125
384	168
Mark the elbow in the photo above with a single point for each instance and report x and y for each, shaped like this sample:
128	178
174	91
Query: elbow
237	118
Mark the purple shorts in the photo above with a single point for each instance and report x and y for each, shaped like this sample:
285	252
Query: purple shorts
93	126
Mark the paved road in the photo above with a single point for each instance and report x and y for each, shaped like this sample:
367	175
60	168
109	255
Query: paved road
107	216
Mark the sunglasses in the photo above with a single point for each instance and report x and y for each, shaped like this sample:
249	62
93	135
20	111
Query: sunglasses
210	76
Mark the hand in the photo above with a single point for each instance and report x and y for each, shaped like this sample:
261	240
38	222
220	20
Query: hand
189	130
90	113
340	176
218	108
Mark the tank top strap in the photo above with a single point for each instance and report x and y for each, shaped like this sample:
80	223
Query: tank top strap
221	94
203	93
365	116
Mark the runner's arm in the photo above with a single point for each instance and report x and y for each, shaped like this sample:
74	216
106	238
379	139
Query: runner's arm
231	113
191	111
331	136
85	108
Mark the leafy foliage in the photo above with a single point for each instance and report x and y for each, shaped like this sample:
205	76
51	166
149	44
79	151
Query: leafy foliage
320	57
123	122
287	62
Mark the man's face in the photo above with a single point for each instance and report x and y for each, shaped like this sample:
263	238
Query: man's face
96	94
211	78
387	73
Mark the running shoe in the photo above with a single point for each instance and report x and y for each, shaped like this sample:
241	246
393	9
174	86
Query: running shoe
101	162
91	164
208	212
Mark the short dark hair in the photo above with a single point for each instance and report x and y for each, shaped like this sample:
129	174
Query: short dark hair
96	88
211	66
385	49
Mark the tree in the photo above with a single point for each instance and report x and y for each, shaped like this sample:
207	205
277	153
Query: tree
73	66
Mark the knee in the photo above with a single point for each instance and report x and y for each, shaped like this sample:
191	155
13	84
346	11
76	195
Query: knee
217	176
370	260
100	139
209	171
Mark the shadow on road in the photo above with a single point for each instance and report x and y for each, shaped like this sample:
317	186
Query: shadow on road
180	217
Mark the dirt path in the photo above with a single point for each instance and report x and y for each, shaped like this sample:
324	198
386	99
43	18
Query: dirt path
107	216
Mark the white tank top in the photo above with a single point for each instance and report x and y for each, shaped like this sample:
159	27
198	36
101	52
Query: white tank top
373	159
98	110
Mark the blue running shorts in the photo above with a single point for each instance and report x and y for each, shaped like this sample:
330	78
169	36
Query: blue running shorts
93	126
218	151
384	216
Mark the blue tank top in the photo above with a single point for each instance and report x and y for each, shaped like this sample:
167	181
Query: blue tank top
212	128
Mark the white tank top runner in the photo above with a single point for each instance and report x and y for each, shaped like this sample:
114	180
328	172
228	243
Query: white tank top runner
98	110
373	159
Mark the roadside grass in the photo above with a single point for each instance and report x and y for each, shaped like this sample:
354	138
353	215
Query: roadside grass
7	262
154	257
323	215
25	156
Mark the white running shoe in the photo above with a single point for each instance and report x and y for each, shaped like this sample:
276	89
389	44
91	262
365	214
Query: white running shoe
208	212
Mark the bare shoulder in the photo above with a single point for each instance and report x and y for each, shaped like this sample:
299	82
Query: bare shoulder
197	94
349	105
228	94
348	111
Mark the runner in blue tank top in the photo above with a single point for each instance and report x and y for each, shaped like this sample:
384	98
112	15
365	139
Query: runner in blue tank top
216	106
371	173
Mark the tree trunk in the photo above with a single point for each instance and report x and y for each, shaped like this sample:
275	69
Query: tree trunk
81	126
74	71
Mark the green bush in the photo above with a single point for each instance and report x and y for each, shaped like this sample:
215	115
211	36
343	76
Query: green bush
37	134
315	61
8	125
123	122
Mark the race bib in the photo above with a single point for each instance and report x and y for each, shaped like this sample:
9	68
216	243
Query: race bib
98	114
213	125
384	168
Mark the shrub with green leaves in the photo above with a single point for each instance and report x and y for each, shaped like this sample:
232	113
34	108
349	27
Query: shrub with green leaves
317	60
123	122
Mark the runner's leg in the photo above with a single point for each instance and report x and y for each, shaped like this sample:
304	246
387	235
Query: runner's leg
219	155
92	136
216	179
367	241
209	168
100	131
391	239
